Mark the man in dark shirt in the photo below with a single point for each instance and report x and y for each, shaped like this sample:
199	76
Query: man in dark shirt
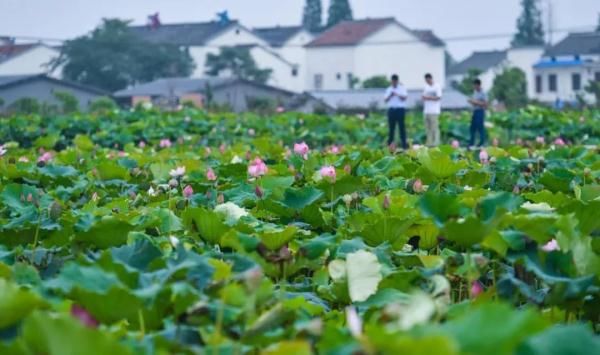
395	98
480	103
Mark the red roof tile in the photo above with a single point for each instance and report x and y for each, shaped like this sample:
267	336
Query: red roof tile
10	50
350	33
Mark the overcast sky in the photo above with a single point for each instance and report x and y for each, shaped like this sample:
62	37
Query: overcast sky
448	18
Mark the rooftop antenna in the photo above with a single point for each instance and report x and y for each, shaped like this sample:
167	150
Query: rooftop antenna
550	22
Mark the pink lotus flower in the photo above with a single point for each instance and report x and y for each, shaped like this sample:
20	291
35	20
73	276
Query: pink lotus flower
353	322
210	175
519	141
328	171
559	142
44	158
387	202
455	144
301	149
84	316
484	156
122	154
188	191
418	186
222	148
540	140
258	192
335	149
280	109
177	172
551	246
476	289
165	143
257	168
142	144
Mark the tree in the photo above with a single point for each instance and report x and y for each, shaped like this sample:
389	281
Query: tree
598	27
237	62
112	57
68	101
530	30
376	82
510	88
103	105
339	10
466	84
593	88
313	15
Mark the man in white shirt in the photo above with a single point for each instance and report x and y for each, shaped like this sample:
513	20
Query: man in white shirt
432	108
395	98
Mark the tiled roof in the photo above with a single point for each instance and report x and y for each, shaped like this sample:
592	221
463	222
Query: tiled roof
349	33
576	44
8	51
12	80
478	60
184	34
428	36
277	36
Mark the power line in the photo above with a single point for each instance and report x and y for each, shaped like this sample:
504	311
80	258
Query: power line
408	41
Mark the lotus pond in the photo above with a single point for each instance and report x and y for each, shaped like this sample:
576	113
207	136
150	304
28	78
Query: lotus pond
144	232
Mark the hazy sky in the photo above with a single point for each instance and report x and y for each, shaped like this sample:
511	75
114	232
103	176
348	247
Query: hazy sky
448	18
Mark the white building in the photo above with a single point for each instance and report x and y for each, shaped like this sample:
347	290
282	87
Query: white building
27	59
209	37
492	63
567	67
365	48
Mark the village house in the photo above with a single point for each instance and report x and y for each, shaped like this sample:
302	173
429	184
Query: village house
209	37
566	68
491	63
27	58
361	49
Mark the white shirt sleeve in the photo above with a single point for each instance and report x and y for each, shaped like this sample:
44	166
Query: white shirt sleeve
388	91
438	91
402	91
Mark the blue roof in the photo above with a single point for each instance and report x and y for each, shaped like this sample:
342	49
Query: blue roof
558	63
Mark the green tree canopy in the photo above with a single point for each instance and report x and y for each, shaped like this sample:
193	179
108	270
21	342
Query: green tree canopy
238	62
313	15
510	88
339	10
376	82
530	31
593	88
111	58
466	84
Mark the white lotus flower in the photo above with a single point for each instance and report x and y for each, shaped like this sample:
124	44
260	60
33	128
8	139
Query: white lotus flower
152	192
418	309
174	241
236	160
177	172
231	211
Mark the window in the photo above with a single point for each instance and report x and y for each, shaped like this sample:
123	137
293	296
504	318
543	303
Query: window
338	76
597	76
318	81
237	31
538	84
295	72
576	80
350	80
552	83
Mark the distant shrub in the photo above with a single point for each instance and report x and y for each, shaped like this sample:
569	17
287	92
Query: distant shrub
68	102
26	105
103	105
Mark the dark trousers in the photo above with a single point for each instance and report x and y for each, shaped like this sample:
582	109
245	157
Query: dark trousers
477	126
396	117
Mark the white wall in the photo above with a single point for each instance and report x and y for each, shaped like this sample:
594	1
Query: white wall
282	70
328	62
295	52
565	90
524	58
33	61
378	55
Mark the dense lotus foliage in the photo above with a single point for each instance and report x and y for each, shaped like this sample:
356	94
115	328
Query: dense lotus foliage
146	232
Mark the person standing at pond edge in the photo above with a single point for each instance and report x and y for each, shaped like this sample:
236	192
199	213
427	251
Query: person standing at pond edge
395	98
432	108
480	103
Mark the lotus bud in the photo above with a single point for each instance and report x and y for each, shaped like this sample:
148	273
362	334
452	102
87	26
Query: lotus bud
253	278
173	183
386	202
220	199
348	169
587	171
347	199
55	211
476	289
258	192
